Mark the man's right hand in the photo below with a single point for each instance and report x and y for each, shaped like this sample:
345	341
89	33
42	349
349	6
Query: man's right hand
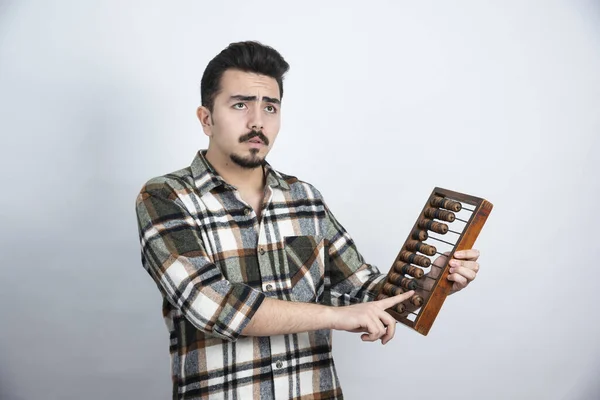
369	317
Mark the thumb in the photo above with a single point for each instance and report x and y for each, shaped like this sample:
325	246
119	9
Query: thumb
392	301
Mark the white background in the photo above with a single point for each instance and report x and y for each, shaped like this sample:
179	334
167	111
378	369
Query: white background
384	101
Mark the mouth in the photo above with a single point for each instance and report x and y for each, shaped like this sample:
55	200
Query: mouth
256	141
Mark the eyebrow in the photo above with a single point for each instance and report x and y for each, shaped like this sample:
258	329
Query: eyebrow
253	98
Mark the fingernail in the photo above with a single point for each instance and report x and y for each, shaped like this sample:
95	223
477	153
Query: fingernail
454	263
459	254
451	270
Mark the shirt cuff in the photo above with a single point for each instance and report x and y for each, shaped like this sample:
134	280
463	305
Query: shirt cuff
240	306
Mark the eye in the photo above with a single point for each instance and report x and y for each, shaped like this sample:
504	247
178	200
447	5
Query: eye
239	106
271	109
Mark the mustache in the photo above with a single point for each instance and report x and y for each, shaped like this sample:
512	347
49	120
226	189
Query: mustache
252	134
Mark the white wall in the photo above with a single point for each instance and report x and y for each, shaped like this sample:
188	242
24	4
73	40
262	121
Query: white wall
384	101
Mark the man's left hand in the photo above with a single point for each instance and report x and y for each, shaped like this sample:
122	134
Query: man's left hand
463	269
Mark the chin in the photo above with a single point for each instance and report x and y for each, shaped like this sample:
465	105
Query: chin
251	161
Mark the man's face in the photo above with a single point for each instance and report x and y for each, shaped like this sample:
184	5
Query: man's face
245	120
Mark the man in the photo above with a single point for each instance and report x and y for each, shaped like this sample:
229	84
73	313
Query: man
254	268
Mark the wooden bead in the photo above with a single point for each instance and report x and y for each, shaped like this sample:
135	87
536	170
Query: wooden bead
431	225
441	202
407	269
413	258
394	278
391	290
409	284
420	235
415	245
416	300
439	214
402	281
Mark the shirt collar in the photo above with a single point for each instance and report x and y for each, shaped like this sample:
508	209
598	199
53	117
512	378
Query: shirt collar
207	178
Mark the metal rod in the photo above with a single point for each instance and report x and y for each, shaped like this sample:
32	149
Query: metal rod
443	241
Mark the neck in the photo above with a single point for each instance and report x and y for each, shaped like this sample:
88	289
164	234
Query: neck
242	178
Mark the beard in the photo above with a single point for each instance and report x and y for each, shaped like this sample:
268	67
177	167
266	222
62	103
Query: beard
253	160
249	162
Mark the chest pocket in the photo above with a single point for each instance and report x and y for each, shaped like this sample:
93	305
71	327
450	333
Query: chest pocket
305	256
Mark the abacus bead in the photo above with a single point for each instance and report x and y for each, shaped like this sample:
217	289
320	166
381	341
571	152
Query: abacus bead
448	204
407	269
431	225
420	235
391	290
413	258
414	245
439	214
416	300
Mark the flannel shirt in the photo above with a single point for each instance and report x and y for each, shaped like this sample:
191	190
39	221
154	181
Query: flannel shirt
214	263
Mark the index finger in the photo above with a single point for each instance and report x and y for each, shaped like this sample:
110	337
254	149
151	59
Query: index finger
392	301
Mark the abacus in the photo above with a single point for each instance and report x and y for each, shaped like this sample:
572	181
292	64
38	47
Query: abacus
449	222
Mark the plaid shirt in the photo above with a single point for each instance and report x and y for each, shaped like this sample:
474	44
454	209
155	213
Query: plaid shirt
214	263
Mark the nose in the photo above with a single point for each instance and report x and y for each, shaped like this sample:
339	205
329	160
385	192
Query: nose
255	119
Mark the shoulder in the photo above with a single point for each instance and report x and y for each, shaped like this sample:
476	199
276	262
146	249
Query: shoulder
168	184
300	188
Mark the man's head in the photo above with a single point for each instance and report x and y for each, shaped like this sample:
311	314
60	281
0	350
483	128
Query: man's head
241	92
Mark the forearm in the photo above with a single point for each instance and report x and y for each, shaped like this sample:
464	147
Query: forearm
277	317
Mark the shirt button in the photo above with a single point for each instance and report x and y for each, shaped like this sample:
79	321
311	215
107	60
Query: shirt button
269	287
279	364
261	250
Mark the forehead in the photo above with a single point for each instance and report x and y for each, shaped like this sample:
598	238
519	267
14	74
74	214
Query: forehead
235	82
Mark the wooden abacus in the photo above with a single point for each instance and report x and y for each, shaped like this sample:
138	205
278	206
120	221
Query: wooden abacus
448	226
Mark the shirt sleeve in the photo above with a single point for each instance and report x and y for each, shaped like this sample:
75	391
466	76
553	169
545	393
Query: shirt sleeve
352	279
173	255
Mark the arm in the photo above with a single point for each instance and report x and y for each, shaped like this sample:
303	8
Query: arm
173	255
276	317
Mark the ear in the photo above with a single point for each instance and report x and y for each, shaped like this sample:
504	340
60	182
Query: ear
205	118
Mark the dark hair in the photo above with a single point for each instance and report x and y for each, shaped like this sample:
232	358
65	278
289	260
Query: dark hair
249	56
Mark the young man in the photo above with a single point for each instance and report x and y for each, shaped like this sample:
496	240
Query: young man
253	267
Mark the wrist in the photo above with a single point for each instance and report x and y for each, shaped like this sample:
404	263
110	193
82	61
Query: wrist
328	315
